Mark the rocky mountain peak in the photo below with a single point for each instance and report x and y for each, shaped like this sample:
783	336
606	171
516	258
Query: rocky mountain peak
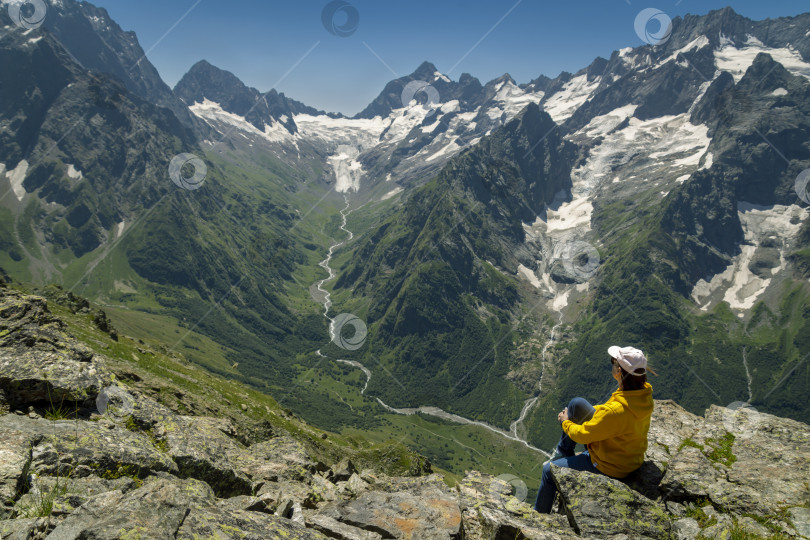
426	71
98	43
205	83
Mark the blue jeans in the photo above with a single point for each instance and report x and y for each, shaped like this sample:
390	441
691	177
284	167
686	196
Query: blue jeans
579	411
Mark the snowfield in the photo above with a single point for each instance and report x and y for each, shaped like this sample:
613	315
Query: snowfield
737	284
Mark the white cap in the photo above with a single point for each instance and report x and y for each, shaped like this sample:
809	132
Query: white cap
630	359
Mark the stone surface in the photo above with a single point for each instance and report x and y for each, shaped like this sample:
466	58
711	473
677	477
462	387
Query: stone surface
670	425
24	529
422	510
202	450
771	462
685	529
78	448
156	511
214	522
343	470
67	493
281	457
39	361
597	505
752	527
690	475
800	517
356	484
335	529
15	460
490	511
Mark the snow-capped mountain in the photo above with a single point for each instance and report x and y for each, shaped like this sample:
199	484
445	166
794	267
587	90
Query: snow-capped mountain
661	178
210	92
402	138
642	120
676	211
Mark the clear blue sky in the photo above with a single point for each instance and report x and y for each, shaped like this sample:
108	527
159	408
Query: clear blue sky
261	40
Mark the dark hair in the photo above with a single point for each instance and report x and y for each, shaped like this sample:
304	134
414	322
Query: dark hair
631	381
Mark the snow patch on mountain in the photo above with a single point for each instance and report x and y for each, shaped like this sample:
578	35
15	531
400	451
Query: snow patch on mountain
673	148
560	301
440	76
213	112
575	214
355	131
397	190
736	61
765	228
512	99
696	44
73	173
603	124
561	105
707	163
16	177
448	150
529	274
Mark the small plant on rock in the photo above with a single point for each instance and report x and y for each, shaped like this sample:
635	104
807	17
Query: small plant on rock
41	498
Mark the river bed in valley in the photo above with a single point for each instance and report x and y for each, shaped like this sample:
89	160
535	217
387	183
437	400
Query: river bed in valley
324	297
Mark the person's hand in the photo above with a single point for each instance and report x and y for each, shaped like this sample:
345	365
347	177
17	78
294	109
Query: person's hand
563	416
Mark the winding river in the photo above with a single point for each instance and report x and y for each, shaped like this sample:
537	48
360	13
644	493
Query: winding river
324	297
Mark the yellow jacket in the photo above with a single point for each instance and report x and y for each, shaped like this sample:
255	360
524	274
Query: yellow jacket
616	435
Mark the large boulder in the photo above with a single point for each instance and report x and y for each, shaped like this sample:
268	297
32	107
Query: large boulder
408	508
278	458
155	511
743	461
670	426
335	529
78	448
60	496
202	449
225	524
599	506
40	363
490	510
15	461
24	529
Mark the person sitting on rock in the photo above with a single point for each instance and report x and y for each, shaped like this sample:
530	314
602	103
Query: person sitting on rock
615	433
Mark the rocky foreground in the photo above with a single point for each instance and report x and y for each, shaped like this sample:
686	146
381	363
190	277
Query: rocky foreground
84	455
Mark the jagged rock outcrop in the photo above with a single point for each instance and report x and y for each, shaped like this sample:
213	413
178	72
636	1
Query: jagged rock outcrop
39	361
120	464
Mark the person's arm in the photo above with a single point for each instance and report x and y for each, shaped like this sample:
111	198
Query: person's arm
604	425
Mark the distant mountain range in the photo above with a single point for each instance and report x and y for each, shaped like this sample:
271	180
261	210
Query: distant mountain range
504	234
